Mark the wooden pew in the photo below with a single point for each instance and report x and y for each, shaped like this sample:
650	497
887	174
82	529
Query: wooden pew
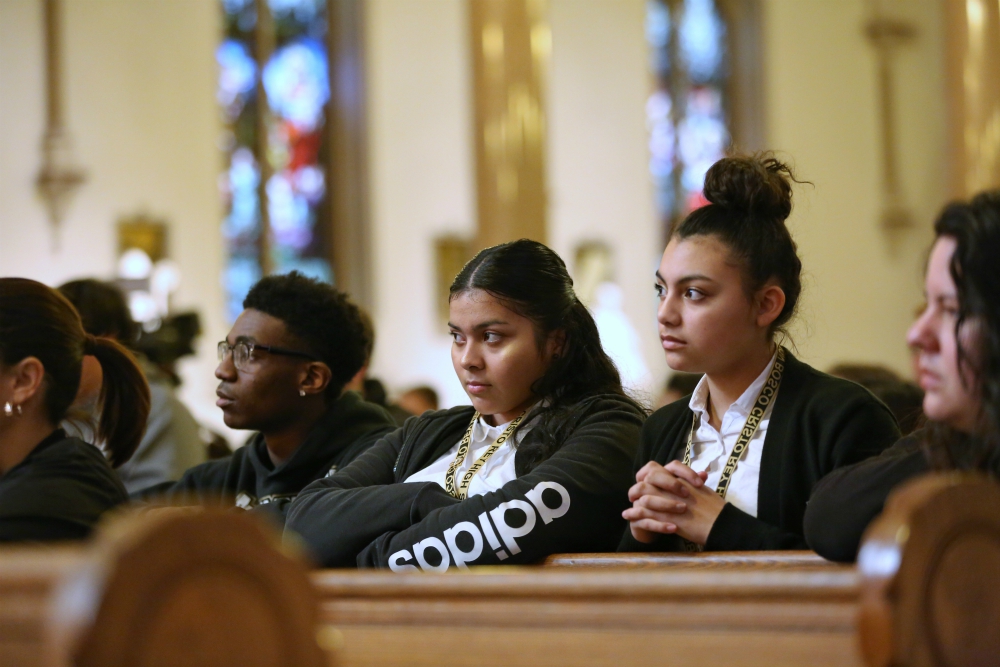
164	587
711	560
532	616
930	575
929	581
211	588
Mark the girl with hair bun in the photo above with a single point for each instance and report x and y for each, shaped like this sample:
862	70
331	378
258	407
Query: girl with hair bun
539	463
730	467
54	487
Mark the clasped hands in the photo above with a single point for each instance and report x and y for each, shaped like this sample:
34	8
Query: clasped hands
672	499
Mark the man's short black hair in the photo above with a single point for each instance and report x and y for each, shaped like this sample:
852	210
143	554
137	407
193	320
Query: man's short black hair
321	316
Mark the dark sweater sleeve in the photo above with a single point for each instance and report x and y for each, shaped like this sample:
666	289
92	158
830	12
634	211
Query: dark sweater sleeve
847	500
735	530
338	516
570	502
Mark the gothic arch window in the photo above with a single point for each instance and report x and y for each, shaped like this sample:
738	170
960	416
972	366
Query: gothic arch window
282	127
705	94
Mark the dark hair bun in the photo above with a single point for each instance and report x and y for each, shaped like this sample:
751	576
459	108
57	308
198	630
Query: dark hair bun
757	186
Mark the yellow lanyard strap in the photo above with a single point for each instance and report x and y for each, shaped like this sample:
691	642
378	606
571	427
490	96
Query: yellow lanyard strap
764	398
463	449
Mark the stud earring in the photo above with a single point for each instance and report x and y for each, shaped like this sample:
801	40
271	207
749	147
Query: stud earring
302	392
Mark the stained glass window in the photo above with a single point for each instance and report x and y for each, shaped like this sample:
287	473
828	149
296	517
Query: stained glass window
273	90
686	112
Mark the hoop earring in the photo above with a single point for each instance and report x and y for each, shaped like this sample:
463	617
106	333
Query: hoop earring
8	409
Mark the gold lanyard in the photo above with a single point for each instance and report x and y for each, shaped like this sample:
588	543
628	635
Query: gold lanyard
463	449
764	398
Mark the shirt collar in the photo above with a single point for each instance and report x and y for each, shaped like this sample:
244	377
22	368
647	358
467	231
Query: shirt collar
482	430
699	398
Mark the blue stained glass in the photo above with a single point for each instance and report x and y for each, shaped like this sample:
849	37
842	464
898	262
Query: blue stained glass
298	84
236	6
241	186
303	11
658	35
685	114
657	24
309	266
288	147
238	277
289	213
701	40
237	76
702	137
661	134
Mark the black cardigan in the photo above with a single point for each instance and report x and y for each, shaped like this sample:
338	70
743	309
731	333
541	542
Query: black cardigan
818	423
573	500
846	500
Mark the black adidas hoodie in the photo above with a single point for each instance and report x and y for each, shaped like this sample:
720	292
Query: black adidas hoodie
348	428
572	501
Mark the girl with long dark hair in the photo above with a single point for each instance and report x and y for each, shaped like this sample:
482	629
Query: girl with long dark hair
957	340
53	487
731	466
538	464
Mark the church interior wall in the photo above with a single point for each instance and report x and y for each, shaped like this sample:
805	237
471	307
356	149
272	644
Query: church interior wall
139	98
140	76
862	285
421	180
599	185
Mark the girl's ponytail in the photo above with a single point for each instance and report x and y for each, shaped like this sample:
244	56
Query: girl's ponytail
124	401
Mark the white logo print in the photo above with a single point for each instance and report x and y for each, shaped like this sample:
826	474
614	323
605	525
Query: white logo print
448	551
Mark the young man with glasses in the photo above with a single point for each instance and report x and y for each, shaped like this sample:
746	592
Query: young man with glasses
282	371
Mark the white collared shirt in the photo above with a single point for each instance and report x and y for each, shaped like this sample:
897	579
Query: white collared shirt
710	449
497	471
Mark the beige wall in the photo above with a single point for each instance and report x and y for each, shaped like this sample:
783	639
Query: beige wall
421	179
139	86
862	285
599	183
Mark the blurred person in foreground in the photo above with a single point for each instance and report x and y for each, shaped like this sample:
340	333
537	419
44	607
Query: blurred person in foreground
171	443
957	338
53	486
282	372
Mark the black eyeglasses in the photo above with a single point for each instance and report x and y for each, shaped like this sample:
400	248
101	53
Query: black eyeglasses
243	352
